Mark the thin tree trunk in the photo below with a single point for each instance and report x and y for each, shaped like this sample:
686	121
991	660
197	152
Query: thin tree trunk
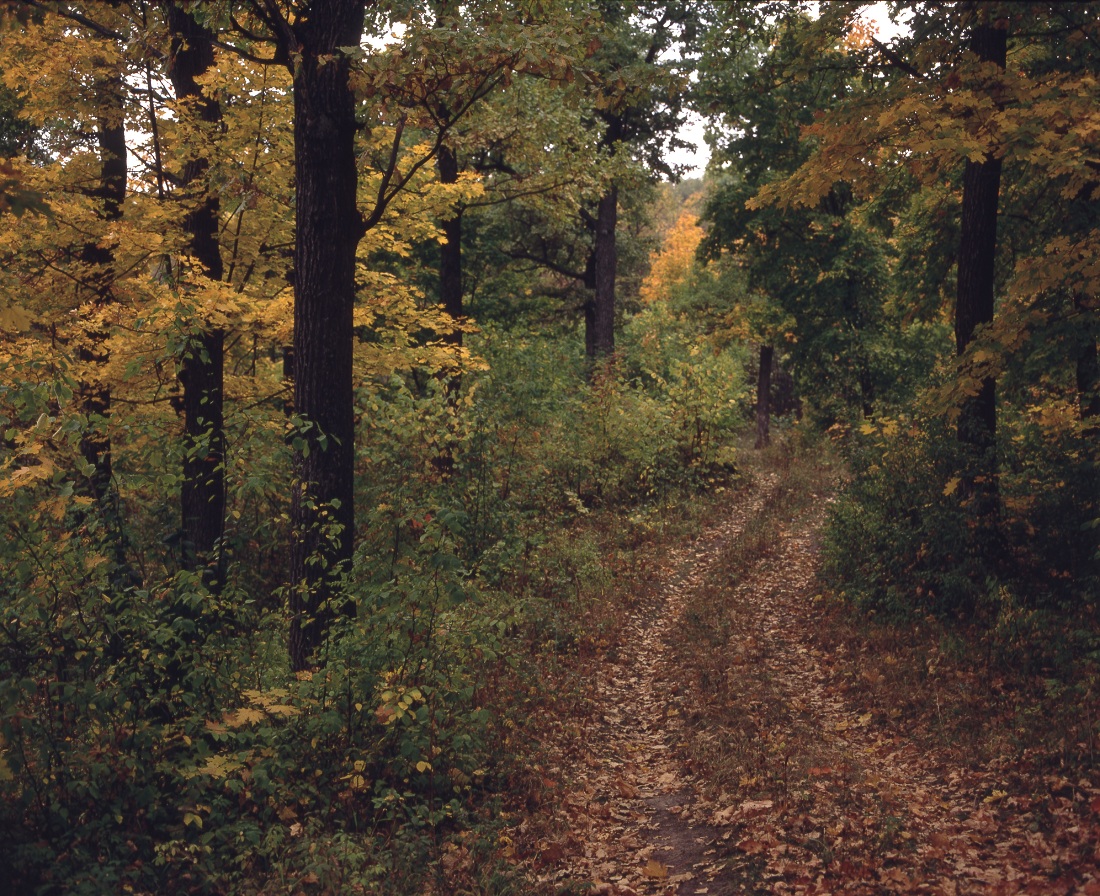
450	258
202	494
288	379
328	229
95	393
589	307
977	422
1088	371
450	295
602	343
763	397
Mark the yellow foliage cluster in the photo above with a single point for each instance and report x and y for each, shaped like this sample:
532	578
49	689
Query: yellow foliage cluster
111	300
672	264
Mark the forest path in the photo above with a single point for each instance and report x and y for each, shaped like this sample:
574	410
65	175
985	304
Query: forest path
635	814
726	755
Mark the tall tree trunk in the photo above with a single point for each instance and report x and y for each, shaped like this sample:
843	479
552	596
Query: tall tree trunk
328	229
1088	369
977	422
450	258
601	345
763	397
202	494
450	295
110	191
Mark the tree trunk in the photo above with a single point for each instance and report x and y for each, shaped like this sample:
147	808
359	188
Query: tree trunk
450	259
977	423
1088	370
589	307
976	429
95	393
328	229
602	342
202	494
763	397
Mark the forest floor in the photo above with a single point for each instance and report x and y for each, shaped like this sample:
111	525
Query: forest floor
740	736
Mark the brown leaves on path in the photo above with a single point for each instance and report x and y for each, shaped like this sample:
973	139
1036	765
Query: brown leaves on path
632	817
724	753
845	799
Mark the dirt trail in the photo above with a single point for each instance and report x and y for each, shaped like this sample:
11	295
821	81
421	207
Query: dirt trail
637	823
848	803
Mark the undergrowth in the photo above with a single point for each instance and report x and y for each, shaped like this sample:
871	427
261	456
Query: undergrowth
152	736
988	633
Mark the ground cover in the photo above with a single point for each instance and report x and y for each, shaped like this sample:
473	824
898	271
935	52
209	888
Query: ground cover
742	733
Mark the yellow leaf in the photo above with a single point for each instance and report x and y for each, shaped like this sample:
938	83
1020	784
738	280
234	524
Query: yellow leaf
656	870
219	766
952	485
15	317
244	716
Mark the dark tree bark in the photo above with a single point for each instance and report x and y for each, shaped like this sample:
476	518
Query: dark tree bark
977	423
202	495
976	429
450	259
288	379
589	280
763	397
110	191
601	343
328	229
1088	370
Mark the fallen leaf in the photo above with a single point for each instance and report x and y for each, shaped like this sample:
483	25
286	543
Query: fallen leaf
753	807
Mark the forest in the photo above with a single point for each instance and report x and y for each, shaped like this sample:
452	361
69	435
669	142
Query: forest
415	481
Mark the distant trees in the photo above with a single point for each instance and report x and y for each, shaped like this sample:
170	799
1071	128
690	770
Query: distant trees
626	101
817	271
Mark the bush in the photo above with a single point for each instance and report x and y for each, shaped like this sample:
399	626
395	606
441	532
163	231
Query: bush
903	540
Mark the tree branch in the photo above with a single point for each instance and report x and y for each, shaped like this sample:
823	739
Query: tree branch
894	59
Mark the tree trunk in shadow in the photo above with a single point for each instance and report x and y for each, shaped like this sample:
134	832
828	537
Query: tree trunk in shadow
98	257
977	421
602	341
763	397
202	494
450	252
328	229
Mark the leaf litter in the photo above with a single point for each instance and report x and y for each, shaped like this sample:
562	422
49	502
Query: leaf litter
723	754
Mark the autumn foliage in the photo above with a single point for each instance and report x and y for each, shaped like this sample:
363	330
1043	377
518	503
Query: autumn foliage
356	361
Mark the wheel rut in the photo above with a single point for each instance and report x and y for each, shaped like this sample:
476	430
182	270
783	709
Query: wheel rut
634	814
725	754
